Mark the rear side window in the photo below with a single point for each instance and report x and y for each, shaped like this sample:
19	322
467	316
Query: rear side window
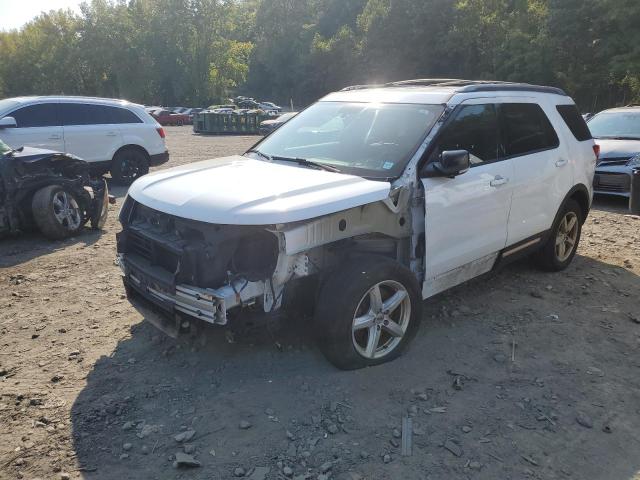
122	115
87	114
575	122
41	115
475	129
526	129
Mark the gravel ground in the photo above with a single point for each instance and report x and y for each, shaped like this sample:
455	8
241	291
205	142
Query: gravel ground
520	374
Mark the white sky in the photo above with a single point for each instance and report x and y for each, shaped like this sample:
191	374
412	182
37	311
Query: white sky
15	13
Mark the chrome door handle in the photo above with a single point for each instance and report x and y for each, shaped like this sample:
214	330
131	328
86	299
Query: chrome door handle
55	137
561	163
112	134
498	180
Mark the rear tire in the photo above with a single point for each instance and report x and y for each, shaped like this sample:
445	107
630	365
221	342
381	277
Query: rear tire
561	247
367	313
129	165
56	212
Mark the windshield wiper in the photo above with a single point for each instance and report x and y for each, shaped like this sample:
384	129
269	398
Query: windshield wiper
306	163
262	154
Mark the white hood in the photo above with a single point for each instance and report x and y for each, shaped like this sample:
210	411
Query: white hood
242	191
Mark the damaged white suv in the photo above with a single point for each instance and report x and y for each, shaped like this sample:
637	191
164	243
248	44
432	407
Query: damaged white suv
377	196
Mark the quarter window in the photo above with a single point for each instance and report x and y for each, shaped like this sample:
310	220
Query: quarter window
475	129
526	129
122	115
575	122
40	115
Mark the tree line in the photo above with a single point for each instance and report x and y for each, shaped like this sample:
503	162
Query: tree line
198	52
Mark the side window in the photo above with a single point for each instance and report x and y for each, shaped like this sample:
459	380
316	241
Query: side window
41	115
122	115
475	129
84	114
575	122
526	129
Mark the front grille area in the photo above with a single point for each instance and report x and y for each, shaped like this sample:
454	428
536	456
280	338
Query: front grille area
613	161
141	246
196	253
153	251
612	182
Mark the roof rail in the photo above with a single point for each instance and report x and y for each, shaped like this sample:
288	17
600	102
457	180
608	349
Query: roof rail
362	87
427	82
465	85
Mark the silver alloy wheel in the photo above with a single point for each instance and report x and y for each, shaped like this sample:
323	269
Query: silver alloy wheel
381	319
567	236
66	210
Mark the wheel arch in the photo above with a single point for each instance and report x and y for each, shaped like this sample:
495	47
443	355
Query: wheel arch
131	146
580	194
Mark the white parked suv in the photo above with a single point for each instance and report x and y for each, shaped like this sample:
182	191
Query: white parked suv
112	135
376	197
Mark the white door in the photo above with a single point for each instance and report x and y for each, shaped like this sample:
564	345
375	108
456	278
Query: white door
89	132
542	170
466	216
38	126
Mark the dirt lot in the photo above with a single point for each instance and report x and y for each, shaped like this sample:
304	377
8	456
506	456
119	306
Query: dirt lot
520	374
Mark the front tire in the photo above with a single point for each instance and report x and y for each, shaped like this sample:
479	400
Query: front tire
367	313
561	247
57	212
129	165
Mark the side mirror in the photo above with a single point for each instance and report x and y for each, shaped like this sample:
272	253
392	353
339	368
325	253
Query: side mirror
8	122
450	164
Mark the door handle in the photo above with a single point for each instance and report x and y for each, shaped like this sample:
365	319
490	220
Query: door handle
561	163
55	137
498	180
112	134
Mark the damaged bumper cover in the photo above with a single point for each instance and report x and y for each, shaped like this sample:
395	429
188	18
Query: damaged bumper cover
153	291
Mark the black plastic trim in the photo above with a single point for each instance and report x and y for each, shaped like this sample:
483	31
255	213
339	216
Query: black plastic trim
506	257
158	159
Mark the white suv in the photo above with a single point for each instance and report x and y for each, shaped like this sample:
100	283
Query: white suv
375	197
112	135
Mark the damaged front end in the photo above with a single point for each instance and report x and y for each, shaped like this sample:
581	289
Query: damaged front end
184	267
24	172
176	269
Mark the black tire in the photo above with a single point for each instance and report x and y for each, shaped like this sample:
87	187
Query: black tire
128	165
180	123
340	299
56	219
547	258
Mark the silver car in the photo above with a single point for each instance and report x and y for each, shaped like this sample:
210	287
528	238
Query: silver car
617	131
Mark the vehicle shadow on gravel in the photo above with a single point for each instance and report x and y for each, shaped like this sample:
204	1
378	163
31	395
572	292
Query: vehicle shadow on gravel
20	249
519	374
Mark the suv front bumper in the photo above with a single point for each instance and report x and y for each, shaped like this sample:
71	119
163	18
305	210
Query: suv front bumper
152	289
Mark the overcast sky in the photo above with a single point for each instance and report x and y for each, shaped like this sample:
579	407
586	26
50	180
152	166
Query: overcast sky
15	13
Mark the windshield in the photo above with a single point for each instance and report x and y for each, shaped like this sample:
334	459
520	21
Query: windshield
616	124
374	140
7	104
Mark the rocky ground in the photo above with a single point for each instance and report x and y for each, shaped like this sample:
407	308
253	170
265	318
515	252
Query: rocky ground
520	374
